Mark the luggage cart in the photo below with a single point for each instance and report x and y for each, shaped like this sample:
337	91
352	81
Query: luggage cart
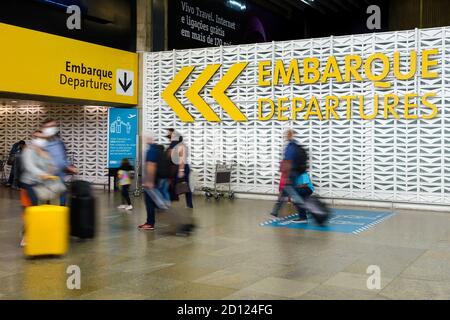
222	177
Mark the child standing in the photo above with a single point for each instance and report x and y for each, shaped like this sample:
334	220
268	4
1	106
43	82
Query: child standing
124	176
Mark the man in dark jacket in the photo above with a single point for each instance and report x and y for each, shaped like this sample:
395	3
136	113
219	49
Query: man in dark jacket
14	162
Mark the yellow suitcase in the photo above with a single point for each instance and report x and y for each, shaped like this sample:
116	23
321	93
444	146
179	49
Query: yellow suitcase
46	230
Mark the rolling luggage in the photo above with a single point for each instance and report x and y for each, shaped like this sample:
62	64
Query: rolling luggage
81	189
46	230
82	217
82	210
319	210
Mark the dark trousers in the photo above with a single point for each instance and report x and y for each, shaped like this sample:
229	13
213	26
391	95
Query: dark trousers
13	176
187	171
151	209
31	194
125	192
297	195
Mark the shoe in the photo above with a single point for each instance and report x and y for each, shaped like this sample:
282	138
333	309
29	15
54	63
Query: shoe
129	208
300	220
146	226
122	206
274	214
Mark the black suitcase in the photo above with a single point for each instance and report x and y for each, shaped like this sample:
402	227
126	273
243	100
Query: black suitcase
81	189
82	217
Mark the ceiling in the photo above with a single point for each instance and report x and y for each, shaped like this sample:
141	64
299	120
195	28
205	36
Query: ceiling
24	103
323	6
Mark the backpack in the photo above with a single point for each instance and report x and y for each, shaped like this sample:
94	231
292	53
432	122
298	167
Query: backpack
162	163
300	164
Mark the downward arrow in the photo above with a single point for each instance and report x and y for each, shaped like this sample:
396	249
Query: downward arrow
125	84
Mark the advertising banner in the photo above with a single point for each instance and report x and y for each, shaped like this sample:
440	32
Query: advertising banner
122	136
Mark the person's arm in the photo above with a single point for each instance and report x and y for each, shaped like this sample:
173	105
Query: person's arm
181	157
150	174
69	167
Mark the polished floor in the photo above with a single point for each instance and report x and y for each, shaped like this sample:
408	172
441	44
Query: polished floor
231	257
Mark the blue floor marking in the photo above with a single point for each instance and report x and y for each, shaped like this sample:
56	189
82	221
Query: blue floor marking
342	221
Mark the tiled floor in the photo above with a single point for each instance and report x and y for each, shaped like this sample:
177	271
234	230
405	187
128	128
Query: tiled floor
231	257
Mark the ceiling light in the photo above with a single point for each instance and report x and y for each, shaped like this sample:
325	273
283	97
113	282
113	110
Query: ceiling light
237	5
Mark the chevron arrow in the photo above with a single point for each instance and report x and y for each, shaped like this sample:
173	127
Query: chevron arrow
193	93
169	94
218	93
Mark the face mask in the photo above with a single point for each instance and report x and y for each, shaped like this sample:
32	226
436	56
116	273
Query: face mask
50	132
38	142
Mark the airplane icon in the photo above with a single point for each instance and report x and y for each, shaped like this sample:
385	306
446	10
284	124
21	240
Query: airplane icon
131	116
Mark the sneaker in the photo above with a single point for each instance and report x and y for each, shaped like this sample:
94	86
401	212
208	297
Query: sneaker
274	214
300	220
129	208
122	206
146	226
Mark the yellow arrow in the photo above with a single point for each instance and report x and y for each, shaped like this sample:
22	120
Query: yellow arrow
193	93
169	94
218	92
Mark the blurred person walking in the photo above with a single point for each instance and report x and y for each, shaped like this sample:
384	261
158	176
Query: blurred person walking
155	160
37	167
180	156
294	164
58	153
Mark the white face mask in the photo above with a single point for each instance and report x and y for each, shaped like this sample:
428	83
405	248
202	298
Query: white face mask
38	142
50	132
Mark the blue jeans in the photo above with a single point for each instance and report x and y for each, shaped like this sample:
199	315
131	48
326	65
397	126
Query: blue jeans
163	187
63	195
297	195
31	194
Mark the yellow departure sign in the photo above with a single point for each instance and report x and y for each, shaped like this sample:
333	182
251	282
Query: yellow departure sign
37	63
381	71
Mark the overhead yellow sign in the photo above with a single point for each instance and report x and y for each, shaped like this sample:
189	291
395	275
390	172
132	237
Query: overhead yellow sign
37	63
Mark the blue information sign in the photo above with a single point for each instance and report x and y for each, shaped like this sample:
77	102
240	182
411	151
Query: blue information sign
122	136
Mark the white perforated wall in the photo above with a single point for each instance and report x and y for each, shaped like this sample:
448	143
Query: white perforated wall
83	129
388	160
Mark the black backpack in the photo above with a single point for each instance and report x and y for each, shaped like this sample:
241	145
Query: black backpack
300	164
163	165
